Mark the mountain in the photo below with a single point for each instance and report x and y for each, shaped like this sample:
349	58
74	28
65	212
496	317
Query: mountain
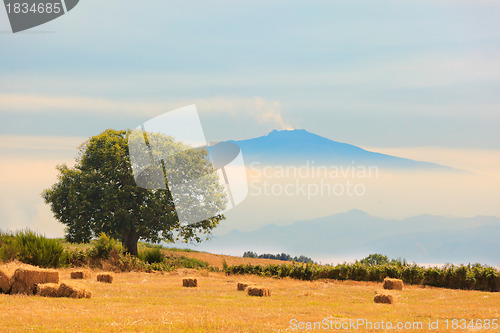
424	239
301	198
296	147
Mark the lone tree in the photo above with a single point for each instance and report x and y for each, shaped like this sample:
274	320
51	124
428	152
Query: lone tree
375	259
99	194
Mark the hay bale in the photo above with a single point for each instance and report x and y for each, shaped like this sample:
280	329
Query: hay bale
384	298
48	289
244	285
258	291
26	279
64	289
395	284
190	282
6	277
73	290
80	275
105	277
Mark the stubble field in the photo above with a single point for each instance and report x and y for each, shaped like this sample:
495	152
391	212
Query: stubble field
153	302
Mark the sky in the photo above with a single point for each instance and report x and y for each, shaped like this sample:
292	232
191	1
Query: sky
415	78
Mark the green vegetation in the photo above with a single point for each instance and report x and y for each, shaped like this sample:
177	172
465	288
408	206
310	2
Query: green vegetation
375	260
34	249
282	257
31	248
99	194
104	247
143	245
190	262
471	277
175	249
153	256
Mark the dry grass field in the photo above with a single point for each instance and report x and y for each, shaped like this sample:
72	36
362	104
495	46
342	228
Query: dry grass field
216	260
154	302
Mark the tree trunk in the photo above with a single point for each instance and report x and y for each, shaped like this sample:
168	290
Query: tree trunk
129	241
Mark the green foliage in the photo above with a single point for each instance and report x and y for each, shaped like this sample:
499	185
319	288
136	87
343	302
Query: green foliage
8	247
104	247
175	249
133	263
374	260
476	276
76	258
413	274
225	266
189	262
213	269
250	254
359	272
282	257
32	248
127	263
37	250
152	256
99	193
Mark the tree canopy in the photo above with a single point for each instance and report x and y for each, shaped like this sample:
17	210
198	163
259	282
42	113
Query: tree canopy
99	194
375	259
283	257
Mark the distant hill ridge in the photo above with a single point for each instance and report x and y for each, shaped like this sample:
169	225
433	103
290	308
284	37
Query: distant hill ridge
424	238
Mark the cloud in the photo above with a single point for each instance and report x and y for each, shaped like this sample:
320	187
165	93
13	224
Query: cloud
480	161
23	142
23	178
424	70
55	104
262	110
270	112
21	206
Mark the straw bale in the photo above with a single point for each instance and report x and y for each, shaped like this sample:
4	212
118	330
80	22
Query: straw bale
395	284
64	289
27	278
73	290
258	291
190	282
47	289
105	277
244	285
85	274
384	298
6	277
